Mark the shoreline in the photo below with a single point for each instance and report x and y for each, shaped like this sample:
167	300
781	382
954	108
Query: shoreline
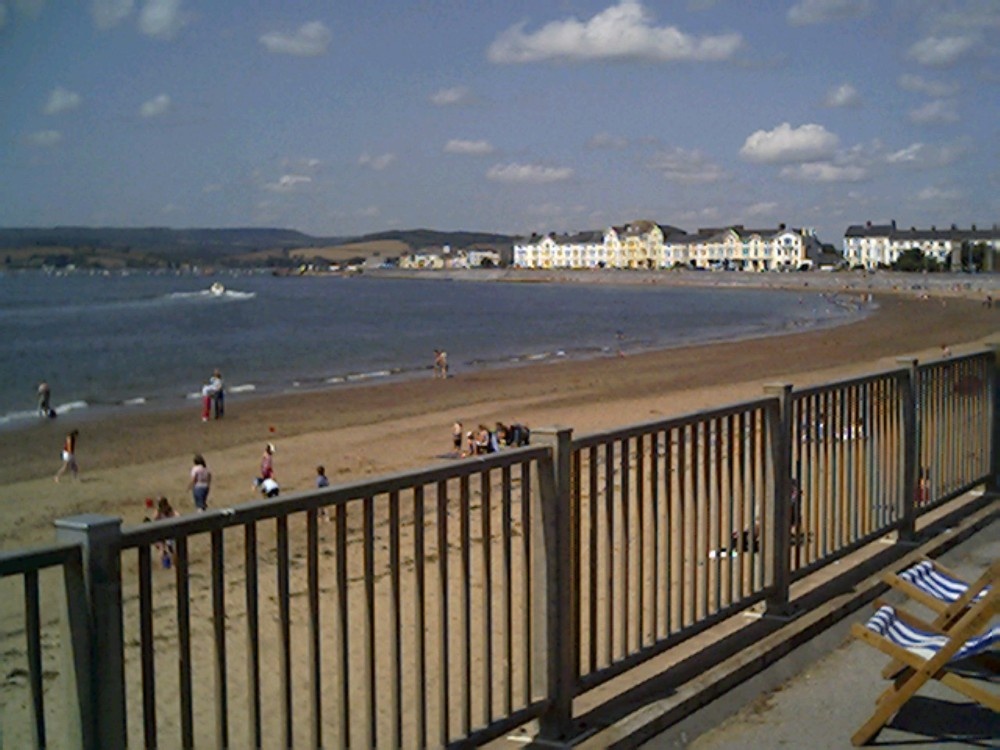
370	428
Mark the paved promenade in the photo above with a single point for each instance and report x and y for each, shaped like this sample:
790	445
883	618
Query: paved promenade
823	706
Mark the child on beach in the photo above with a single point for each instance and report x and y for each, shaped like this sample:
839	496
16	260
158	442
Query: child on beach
69	456
165	548
321	482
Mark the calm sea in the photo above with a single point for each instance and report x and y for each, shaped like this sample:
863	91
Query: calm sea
143	341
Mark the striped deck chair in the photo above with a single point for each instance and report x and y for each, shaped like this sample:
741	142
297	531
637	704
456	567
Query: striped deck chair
940	590
928	655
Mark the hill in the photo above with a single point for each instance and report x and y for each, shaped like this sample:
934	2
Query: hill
115	247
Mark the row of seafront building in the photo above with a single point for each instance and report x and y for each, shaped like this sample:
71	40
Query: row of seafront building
648	245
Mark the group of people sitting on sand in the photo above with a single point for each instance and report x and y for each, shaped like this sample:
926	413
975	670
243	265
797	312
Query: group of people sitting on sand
483	440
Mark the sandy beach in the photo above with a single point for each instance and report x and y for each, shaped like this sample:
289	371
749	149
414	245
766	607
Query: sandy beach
359	431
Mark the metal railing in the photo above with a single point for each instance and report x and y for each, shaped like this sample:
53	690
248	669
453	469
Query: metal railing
446	606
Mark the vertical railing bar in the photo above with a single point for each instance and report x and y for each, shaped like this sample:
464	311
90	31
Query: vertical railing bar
667	531
508	589
219	627
370	697
146	649
33	636
640	539
487	619
253	635
592	574
704	532
420	617
285	709
527	598
681	529
342	622
315	629
395	707
626	546
655	506
444	626
465	551
184	643
609	552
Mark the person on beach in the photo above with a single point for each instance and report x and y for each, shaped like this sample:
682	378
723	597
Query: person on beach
165	548
218	394
268	487
440	363
321	478
69	456
456	438
267	463
45	400
207	396
201	482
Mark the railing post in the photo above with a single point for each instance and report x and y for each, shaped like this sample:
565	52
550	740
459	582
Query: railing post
911	444
780	558
554	596
98	537
993	485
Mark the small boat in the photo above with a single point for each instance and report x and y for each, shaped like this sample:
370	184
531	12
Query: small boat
217	289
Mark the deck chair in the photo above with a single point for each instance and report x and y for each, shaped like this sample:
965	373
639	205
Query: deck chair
940	590
928	655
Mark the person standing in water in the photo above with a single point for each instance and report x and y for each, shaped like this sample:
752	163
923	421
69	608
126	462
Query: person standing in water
45	400
218	394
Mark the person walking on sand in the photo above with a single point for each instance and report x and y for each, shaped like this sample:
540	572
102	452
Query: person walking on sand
267	463
201	482
45	400
218	394
69	456
440	363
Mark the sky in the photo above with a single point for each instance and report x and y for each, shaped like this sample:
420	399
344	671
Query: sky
357	116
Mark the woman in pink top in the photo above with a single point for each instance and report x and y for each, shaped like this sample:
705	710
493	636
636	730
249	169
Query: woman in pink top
201	481
267	463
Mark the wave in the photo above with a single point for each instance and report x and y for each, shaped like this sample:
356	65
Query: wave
205	294
24	415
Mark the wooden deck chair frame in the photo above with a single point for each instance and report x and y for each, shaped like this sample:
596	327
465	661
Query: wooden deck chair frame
919	670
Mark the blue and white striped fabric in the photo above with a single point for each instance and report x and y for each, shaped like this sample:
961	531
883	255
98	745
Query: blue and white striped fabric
923	644
925	577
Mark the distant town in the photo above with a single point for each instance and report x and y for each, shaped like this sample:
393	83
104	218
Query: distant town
638	245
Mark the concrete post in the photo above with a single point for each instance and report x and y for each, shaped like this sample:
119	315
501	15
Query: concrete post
99	538
780	540
910	393
554	593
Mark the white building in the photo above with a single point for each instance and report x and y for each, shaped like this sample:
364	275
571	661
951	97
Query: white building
647	245
879	245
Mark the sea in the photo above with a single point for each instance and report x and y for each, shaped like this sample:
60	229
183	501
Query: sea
139	341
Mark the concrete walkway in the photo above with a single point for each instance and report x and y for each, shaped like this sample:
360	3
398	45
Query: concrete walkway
823	706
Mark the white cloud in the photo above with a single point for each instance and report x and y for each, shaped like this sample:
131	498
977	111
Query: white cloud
939	194
924	86
681	165
809	12
378	163
62	100
924	156
448	97
941	51
44	138
935	112
766	208
621	32
309	40
606	140
287	182
471	148
528	173
786	144
161	19
155	107
824	172
109	13
844	95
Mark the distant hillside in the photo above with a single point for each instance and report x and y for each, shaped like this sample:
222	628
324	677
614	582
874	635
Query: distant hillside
111	247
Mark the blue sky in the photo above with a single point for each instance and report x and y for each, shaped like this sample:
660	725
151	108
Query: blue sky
349	117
